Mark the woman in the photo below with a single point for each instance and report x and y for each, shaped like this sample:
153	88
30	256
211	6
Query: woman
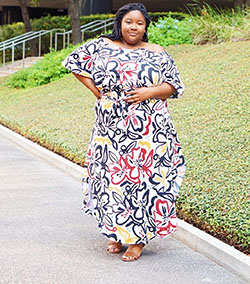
134	166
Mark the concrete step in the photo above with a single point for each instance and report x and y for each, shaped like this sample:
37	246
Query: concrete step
10	68
5	73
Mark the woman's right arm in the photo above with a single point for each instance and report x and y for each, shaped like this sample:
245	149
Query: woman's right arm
89	84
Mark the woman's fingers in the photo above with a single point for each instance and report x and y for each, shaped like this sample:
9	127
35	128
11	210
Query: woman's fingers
133	96
133	99
131	92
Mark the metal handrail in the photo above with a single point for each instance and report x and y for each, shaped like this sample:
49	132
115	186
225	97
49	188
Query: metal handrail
99	28
16	42
105	23
22	39
16	38
70	31
32	36
86	27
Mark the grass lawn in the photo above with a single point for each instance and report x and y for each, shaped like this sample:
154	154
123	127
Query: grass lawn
212	120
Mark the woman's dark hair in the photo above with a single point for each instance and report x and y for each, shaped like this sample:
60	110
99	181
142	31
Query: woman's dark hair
117	32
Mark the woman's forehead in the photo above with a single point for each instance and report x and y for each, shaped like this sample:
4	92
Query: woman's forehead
134	14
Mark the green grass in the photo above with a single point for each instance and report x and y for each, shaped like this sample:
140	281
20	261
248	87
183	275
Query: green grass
212	120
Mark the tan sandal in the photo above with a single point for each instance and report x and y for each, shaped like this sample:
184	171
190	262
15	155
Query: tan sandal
132	253
114	247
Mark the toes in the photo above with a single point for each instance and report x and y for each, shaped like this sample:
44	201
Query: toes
114	247
132	253
129	258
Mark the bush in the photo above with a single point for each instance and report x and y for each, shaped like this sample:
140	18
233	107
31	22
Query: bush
63	22
155	16
170	31
9	31
203	25
213	25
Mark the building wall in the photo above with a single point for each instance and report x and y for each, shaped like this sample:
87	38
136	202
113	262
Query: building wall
10	11
169	5
53	4
98	7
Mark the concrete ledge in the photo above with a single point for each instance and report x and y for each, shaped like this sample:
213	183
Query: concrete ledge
218	251
221	253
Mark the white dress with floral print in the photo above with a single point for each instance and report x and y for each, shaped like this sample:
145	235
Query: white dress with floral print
134	165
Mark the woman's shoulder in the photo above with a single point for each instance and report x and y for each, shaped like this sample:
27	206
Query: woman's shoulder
154	47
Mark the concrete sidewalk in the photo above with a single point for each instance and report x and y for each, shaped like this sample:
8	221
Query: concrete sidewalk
46	238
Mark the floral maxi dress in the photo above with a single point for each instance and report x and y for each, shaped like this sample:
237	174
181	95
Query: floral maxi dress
134	165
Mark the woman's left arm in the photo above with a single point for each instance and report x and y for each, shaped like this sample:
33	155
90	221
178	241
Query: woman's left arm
138	95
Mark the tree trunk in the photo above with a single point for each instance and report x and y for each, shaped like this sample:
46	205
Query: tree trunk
75	11
27	25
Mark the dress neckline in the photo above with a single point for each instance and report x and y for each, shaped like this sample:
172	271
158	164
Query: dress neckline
130	49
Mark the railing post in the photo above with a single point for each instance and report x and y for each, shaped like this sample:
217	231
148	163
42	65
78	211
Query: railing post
63	39
23	53
68	39
4	54
12	54
56	42
39	45
82	35
51	40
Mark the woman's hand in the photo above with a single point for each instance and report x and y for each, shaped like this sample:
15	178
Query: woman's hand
138	95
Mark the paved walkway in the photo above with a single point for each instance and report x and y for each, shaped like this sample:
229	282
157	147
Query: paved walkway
46	238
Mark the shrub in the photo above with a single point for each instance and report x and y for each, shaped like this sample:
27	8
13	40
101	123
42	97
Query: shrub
169	31
155	16
213	25
63	22
9	31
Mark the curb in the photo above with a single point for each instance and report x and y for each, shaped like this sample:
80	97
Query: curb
221	253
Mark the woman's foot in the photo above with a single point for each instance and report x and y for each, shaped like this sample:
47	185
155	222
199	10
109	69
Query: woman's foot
133	252
114	247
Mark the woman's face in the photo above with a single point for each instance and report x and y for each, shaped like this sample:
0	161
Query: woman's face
133	27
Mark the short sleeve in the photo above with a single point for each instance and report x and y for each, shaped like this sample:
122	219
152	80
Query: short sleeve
81	60
171	75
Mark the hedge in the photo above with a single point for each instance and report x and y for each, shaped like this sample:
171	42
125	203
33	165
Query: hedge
63	22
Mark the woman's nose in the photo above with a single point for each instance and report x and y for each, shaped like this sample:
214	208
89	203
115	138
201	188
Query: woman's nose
133	26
